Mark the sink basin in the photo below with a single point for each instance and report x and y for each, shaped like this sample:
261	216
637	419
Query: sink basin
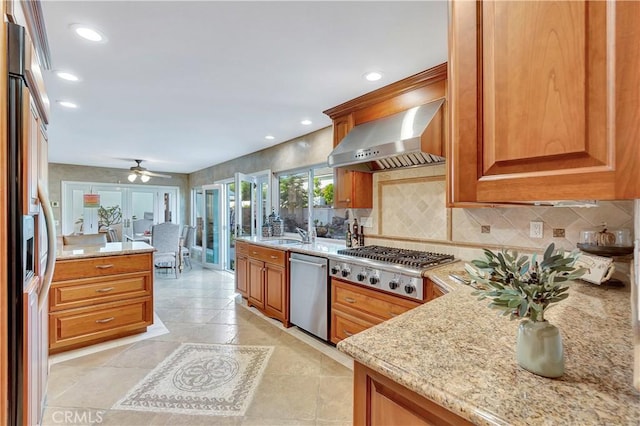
282	242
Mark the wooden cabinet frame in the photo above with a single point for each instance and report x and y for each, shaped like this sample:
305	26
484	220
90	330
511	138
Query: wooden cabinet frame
507	144
378	401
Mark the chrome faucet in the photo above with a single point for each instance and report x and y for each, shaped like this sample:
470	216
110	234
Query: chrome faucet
304	235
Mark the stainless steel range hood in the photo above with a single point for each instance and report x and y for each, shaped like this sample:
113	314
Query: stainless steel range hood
407	139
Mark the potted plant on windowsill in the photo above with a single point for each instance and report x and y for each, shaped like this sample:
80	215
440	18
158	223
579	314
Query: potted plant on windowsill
524	288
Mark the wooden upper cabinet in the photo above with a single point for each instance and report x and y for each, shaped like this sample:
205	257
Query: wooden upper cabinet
544	101
352	189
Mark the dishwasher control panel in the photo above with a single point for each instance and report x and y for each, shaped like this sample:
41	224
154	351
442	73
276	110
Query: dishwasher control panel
375	278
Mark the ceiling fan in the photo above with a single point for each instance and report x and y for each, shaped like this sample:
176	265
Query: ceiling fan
144	174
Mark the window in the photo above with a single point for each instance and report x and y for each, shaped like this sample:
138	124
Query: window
296	198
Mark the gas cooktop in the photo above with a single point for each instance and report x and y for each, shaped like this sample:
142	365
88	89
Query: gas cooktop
411	258
387	269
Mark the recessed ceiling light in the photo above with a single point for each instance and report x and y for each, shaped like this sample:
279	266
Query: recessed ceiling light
373	76
67	104
305	122
67	76
88	33
269	137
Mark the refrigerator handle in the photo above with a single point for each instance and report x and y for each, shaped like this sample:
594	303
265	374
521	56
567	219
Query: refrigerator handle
51	244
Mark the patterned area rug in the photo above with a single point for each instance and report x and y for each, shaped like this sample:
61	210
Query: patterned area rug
201	379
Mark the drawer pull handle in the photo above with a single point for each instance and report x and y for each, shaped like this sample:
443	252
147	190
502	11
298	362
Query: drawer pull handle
349	300
346	333
392	314
274	257
105	320
104	290
254	252
104	266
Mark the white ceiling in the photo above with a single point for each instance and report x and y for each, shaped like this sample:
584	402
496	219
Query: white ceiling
186	85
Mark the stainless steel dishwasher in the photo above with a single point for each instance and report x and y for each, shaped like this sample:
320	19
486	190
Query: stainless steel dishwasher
309	306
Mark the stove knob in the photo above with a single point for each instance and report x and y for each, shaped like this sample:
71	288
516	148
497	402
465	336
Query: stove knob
409	288
335	269
361	276
345	272
374	280
393	284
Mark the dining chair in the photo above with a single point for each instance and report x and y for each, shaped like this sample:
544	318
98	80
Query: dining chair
186	242
165	239
99	239
112	235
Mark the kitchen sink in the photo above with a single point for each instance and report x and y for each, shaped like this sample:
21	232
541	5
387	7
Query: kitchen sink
282	242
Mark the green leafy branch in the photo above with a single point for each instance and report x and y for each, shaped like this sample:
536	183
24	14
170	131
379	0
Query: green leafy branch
522	287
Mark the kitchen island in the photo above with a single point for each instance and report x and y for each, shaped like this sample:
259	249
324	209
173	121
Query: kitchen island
100	293
459	355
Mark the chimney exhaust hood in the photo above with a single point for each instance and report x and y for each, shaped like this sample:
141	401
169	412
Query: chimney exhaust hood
409	138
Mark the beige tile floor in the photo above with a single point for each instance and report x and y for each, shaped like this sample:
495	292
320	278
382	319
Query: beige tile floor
301	385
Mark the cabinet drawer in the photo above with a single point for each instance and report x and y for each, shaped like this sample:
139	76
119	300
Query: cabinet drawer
242	247
368	301
90	291
101	266
84	326
345	325
268	255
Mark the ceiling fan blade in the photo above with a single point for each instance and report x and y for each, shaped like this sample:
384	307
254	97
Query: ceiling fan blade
148	173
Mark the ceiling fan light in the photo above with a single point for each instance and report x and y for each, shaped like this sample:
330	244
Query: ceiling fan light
145	178
132	177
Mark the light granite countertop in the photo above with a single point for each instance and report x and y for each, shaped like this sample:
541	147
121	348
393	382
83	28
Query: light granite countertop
109	249
461	354
321	247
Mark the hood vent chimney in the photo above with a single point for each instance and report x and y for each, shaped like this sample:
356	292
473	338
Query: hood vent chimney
409	138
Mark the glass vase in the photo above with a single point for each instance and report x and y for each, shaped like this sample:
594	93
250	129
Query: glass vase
539	348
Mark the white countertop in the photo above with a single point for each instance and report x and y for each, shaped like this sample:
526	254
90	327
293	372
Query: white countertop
321	247
108	249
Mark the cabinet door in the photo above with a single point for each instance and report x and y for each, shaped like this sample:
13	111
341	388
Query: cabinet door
539	101
352	189
276	292
343	188
379	401
242	284
256	283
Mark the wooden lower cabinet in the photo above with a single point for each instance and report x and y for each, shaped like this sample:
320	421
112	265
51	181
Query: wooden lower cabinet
263	280
242	268
92	300
355	308
380	401
433	291
256	283
92	324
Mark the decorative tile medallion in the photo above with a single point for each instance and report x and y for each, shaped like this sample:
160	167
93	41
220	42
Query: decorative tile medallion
201	379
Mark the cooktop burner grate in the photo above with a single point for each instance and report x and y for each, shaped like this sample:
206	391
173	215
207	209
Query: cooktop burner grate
413	258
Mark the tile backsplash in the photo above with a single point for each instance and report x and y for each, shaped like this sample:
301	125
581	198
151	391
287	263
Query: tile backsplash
409	205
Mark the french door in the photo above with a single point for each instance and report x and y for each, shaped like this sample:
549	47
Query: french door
213	227
116	206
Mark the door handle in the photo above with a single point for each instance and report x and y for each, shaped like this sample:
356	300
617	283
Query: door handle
317	265
51	244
